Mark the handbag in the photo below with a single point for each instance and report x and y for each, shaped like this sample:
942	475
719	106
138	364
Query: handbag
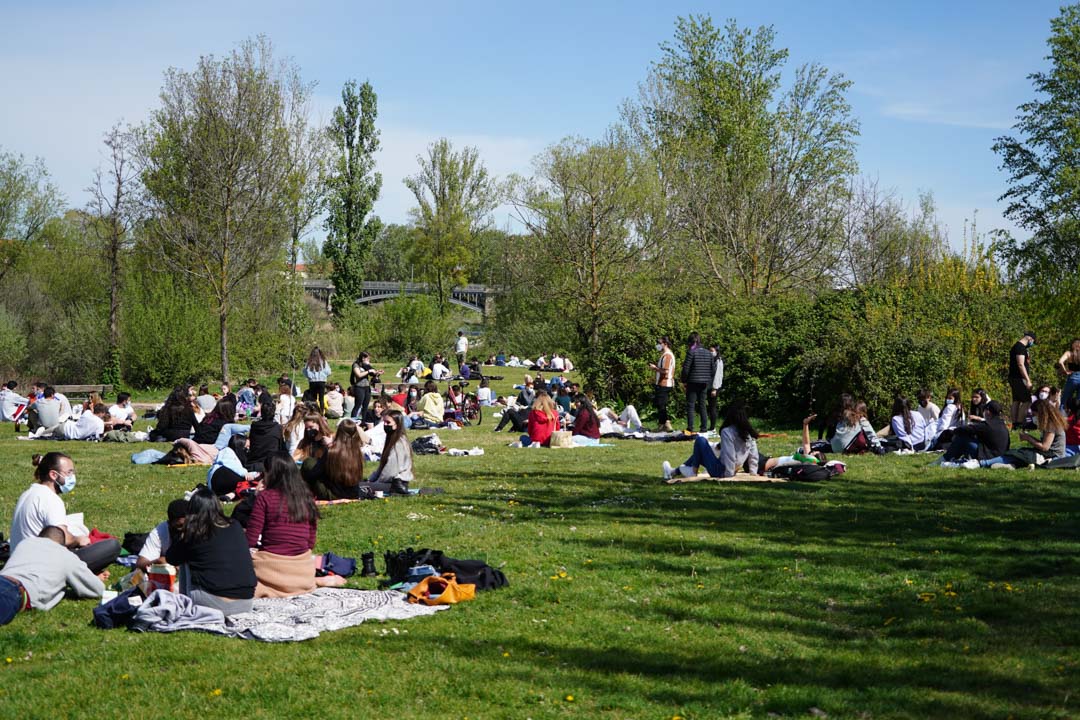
441	590
561	439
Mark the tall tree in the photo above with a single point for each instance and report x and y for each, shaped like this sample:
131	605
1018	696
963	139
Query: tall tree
454	197
756	175
594	206
1043	164
308	186
113	214
27	201
216	165
354	188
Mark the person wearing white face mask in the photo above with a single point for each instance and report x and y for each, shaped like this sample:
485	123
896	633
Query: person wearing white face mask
664	381
40	506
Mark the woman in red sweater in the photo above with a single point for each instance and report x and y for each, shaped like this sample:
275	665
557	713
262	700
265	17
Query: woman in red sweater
543	420
281	533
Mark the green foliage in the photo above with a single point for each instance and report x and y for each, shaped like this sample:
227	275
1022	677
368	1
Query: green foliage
12	342
454	196
395	329
78	347
28	200
354	188
169	334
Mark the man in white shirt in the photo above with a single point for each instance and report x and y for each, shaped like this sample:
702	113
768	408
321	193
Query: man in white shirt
122	414
557	363
461	348
12	404
440	372
89	425
160	538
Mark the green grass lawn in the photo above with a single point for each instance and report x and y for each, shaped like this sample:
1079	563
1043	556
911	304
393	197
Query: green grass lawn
895	590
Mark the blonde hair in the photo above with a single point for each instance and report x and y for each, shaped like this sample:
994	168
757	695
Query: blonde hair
545	404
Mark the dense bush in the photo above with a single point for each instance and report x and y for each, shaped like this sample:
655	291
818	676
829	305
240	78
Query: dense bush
395	329
12	342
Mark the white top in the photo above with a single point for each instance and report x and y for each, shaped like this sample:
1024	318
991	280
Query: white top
557	363
87	426
462	344
718	374
65	406
285	406
484	395
157	542
417	366
918	429
123	414
37	508
930	413
440	372
9	403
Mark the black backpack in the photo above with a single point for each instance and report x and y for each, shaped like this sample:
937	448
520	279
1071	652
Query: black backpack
472	572
804	472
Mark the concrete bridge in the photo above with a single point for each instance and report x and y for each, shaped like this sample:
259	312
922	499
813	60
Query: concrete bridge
478	298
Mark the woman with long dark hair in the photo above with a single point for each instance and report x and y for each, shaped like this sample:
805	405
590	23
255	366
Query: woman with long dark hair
908	426
395	470
281	532
854	433
952	417
737	448
213	553
335	470
223	413
176	418
317	371
586	421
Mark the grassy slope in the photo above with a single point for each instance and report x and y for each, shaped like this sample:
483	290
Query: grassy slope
699	601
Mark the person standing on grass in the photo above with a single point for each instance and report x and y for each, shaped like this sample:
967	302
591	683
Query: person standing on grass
40	570
664	381
697	375
1020	378
461	348
363	374
717	383
317	371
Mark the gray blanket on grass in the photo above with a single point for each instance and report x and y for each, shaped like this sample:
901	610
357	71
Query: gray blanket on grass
279	619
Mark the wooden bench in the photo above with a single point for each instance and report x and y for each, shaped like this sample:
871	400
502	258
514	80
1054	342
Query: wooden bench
84	390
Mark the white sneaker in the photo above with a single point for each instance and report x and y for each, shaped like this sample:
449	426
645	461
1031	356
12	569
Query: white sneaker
666	468
686	471
971	465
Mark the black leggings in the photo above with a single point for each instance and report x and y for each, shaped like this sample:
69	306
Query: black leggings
713	409
318	389
361	394
224	481
99	555
518	420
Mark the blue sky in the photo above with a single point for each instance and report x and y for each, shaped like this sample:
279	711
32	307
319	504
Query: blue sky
934	82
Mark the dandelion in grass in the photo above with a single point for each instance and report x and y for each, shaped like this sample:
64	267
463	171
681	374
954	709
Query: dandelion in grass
216	692
569	698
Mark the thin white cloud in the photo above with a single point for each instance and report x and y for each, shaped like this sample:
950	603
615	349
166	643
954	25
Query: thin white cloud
931	113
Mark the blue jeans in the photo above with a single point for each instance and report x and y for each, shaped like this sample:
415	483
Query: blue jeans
10	600
703	456
227	431
992	461
1072	385
961	447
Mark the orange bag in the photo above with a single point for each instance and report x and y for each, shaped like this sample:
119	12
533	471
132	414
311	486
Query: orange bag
441	590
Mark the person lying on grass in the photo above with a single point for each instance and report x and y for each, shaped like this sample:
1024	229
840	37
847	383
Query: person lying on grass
804	455
39	572
737	448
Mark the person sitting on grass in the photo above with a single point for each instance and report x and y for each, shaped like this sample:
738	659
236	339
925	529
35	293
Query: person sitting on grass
335	402
212	552
293	431
854	433
951	417
335	467
484	394
979	440
543	421
176	418
265	436
159	540
12	405
908	426
430	407
281	533
222	414
395	469
41	506
1051	442
979	401
122	414
586	422
39	572
91	425
737	448
43	417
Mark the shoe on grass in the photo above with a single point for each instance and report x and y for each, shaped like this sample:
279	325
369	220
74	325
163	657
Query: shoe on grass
971	465
666	469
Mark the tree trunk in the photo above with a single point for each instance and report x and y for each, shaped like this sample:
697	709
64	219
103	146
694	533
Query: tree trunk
223	317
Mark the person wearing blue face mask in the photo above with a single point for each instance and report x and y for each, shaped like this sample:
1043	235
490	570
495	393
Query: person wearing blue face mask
40	506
